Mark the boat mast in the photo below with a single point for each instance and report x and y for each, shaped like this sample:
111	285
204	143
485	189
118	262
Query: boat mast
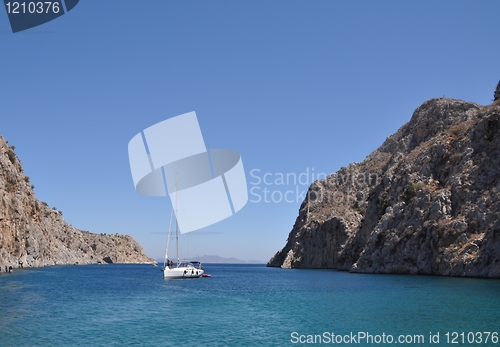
176	223
169	235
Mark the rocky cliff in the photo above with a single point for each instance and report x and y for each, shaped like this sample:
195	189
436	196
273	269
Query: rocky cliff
33	235
425	202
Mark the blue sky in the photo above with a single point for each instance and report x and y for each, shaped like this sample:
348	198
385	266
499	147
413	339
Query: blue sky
293	86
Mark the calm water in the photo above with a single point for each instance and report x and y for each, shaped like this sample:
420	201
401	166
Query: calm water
241	305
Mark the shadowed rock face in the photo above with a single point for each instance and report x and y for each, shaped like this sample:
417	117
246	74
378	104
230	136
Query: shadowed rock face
34	235
425	202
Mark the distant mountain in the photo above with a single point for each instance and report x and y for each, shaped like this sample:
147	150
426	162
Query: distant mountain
425	202
215	259
33	235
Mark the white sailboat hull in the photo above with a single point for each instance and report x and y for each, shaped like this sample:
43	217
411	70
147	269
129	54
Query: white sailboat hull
182	272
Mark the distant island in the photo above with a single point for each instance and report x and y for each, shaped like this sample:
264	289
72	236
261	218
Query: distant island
427	201
33	235
215	259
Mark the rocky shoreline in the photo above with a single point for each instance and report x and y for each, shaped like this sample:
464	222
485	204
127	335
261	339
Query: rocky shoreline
425	202
34	235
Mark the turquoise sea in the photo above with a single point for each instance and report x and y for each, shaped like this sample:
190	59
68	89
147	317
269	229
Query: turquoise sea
242	305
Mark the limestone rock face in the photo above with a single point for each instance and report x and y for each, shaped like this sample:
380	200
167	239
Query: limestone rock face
425	202
34	235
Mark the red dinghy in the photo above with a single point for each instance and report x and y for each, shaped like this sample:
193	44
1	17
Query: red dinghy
206	275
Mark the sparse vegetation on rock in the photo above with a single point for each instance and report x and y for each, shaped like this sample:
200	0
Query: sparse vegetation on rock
434	209
33	235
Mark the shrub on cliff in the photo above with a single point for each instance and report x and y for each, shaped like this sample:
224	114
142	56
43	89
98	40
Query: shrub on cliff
11	155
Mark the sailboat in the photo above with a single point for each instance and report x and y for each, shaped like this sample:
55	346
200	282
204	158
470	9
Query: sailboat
183	268
212	184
